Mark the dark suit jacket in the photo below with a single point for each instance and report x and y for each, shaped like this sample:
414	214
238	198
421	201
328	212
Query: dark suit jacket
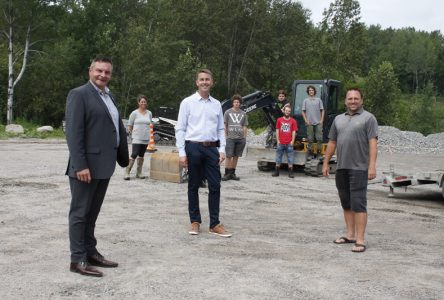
91	134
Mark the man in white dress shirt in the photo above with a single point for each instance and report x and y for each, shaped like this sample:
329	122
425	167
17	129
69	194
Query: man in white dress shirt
200	139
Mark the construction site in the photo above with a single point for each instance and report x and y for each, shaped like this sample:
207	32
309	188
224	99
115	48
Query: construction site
283	231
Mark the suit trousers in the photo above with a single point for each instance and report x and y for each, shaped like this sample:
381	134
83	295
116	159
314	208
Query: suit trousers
86	201
203	162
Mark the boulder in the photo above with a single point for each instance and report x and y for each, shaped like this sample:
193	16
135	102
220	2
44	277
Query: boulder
14	128
45	129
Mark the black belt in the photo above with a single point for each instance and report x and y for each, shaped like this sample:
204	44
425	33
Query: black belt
206	144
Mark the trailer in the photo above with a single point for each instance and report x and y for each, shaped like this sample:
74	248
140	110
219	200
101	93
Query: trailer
393	180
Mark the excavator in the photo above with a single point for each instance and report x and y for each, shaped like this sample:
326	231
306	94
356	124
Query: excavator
327	90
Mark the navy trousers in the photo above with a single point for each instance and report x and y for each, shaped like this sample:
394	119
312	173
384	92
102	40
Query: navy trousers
86	201
203	162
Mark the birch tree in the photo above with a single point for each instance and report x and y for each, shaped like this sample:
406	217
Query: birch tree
14	56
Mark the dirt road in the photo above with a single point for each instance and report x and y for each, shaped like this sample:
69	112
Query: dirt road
281	248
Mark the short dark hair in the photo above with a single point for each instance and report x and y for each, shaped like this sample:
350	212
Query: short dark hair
101	59
282	92
206	71
140	97
311	87
355	89
236	97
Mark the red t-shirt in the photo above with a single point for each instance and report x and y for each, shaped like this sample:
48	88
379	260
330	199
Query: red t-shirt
286	128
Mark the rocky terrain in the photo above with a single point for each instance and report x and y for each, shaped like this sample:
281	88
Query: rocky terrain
391	140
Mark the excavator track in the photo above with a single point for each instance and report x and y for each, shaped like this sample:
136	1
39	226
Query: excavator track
313	167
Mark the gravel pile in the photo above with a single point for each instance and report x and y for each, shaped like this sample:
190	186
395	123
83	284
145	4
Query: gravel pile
391	139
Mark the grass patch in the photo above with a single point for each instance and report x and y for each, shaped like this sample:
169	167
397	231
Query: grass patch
258	131
31	131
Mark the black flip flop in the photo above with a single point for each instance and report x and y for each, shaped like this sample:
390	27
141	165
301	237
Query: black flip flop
364	247
345	241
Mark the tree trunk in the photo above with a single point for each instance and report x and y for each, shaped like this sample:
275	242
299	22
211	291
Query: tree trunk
9	115
11	82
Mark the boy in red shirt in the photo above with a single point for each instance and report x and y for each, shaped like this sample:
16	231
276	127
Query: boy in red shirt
286	129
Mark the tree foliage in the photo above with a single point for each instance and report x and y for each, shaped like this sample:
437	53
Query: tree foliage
157	45
382	92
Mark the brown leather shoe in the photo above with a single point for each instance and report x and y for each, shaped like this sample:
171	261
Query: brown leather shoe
195	228
83	268
219	230
98	260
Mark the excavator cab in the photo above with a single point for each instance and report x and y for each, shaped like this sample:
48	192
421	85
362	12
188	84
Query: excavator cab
328	91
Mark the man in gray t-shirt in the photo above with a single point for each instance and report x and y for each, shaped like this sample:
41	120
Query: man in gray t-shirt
313	114
354	134
236	123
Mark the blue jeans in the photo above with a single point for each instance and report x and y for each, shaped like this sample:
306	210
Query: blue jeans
203	162
280	149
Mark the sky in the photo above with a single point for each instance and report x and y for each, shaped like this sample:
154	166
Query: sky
426	15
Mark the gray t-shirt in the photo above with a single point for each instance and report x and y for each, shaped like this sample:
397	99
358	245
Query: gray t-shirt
235	120
141	126
352	134
312	108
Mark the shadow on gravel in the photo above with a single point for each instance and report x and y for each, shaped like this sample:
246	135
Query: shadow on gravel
415	197
16	183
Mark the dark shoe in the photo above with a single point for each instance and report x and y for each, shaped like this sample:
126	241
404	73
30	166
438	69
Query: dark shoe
359	248
226	177
344	240
276	172
98	260
83	268
202	184
234	177
290	173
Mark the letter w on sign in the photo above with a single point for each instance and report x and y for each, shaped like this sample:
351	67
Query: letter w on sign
236	118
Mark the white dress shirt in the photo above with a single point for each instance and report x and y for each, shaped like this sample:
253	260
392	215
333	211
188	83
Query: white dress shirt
200	120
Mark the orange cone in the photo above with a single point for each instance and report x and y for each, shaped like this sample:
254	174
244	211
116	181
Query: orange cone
151	148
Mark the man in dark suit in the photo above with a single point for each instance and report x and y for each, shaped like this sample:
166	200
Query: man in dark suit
96	140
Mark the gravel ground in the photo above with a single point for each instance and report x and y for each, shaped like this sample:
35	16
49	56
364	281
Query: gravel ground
281	248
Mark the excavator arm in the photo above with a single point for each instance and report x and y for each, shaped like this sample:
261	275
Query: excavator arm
258	100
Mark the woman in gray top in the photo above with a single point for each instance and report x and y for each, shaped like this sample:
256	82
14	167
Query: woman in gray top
139	128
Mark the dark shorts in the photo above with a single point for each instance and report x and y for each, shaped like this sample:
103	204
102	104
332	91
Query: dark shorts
138	150
352	189
235	147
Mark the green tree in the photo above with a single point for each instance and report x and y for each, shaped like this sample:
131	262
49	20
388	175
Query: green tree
382	92
427	112
342	40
